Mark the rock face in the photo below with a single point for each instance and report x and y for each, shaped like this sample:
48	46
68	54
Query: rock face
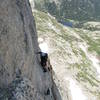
17	40
18	58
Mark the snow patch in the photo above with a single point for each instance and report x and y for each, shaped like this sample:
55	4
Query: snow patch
43	45
76	92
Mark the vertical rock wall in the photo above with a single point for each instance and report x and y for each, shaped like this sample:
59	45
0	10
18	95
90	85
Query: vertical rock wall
18	47
18	40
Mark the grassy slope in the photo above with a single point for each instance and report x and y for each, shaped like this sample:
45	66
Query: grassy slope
65	43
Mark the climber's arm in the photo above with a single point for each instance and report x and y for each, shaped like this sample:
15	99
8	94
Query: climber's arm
38	52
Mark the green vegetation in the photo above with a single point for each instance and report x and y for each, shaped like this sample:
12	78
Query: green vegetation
94	44
70	9
65	42
86	77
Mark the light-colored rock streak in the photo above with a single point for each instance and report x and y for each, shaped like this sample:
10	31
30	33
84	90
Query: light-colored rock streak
96	64
76	91
94	60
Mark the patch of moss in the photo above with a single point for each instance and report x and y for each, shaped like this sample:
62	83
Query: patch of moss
87	78
94	45
41	15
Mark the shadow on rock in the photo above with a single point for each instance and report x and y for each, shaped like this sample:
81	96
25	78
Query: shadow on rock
56	92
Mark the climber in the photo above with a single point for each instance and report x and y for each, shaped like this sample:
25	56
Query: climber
43	53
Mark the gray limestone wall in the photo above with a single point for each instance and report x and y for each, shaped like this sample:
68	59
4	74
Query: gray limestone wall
18	58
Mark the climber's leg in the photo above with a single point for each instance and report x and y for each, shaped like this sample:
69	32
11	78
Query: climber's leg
43	63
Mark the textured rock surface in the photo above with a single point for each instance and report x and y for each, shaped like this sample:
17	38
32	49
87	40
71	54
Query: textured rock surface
17	40
18	47
20	89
